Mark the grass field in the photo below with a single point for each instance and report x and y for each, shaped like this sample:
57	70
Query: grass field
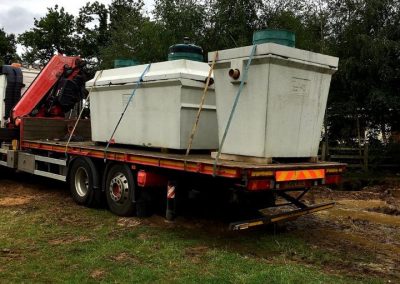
46	238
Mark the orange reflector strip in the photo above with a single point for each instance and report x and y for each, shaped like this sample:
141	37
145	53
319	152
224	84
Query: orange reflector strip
299	175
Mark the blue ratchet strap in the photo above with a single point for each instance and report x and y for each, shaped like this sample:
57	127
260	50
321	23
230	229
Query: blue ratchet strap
138	83
244	78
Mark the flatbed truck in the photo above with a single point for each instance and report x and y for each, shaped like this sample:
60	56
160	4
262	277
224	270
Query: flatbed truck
130	179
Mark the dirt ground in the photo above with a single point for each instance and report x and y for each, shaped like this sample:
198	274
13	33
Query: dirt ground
365	223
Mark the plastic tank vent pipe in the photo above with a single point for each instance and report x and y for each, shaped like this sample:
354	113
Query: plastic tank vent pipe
234	74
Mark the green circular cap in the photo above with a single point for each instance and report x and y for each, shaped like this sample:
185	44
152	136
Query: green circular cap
185	51
282	37
118	63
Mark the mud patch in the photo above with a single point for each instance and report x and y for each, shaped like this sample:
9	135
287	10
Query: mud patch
9	254
360	210
14	201
73	220
98	274
386	210
128	222
395	193
124	257
159	221
361	204
143	237
195	253
19	211
363	229
69	240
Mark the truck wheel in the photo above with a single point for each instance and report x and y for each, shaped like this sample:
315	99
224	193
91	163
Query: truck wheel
82	179
120	190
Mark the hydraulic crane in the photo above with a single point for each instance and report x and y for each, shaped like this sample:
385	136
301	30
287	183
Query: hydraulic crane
54	92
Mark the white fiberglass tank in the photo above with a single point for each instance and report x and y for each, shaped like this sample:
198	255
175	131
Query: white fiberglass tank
163	109
281	109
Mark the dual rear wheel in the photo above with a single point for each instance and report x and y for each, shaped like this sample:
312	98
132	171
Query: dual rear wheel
119	186
120	190
83	181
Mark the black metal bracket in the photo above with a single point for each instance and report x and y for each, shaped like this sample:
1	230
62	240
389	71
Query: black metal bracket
270	219
294	200
302	209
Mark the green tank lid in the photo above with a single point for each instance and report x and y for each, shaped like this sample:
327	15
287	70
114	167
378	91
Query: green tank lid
186	51
118	63
282	37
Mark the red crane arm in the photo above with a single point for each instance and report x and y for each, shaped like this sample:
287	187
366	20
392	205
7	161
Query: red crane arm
43	83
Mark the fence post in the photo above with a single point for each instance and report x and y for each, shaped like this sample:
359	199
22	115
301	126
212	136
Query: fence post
323	151
366	156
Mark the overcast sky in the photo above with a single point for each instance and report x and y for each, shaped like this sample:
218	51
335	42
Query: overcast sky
17	16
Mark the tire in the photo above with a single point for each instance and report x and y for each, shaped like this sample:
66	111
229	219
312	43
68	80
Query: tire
83	179
120	190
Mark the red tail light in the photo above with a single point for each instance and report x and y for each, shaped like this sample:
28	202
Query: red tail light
333	179
141	178
149	179
255	185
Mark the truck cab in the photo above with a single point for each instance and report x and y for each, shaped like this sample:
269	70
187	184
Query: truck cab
11	84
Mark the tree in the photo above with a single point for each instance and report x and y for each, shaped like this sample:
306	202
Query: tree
126	23
366	38
309	20
7	47
52	33
92	34
179	19
232	23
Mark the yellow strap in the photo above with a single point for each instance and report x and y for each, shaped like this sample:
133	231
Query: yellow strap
80	114
203	98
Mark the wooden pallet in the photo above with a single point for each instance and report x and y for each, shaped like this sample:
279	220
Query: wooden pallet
259	160
240	158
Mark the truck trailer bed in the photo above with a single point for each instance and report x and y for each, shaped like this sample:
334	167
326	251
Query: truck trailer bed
42	150
47	135
195	163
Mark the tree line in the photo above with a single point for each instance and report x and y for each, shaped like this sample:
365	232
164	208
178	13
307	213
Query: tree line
364	34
